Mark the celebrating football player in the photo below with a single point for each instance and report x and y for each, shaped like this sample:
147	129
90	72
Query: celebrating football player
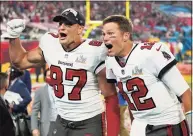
148	78
77	73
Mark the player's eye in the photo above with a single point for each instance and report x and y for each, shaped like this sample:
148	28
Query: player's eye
60	23
66	23
110	33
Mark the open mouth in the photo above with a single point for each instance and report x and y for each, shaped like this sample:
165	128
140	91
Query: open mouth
63	35
109	46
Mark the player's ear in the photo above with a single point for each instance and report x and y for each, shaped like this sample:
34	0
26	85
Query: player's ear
126	36
80	30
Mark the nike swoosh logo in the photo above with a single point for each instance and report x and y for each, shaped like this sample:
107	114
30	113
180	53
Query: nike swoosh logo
158	48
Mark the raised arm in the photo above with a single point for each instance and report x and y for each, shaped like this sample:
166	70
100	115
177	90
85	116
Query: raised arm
24	59
19	56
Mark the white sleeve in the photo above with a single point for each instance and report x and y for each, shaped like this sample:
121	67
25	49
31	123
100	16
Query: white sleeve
163	59
42	41
101	59
111	78
175	81
99	67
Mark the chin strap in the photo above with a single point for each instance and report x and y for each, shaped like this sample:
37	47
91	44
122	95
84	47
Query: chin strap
112	115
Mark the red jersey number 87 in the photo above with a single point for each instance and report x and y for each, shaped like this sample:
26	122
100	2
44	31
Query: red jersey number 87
56	75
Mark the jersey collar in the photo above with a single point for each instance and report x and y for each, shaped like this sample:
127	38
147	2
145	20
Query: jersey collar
121	63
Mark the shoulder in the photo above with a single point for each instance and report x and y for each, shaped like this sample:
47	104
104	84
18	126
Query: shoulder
96	45
49	35
153	46
19	87
47	38
159	54
21	82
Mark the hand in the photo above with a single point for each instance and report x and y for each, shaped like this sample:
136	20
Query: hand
35	132
14	28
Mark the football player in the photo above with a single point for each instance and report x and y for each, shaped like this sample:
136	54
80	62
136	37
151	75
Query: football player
77	73
148	78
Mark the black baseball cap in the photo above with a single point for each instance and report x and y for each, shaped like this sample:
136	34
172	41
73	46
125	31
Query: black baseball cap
72	16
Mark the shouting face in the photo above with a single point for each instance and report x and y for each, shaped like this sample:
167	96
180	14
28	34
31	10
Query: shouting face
69	33
114	36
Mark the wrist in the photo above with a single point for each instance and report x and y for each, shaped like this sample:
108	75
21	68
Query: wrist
189	112
9	36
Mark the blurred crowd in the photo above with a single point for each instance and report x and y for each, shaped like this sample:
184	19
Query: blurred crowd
150	24
36	11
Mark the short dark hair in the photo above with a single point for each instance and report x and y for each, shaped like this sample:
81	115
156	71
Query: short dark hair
124	23
3	80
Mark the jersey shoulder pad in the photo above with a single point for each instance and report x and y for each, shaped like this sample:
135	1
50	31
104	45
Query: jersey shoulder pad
96	46
157	52
95	43
54	35
49	35
153	46
46	39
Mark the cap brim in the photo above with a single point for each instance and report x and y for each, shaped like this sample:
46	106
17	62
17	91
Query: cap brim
59	18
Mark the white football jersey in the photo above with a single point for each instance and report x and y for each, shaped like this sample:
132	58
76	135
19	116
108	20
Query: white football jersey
73	75
141	79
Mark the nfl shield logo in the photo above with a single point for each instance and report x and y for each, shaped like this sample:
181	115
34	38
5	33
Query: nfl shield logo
123	71
66	56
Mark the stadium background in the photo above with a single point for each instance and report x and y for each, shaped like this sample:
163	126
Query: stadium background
166	21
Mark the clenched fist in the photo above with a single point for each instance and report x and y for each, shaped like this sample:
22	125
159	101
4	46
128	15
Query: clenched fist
14	28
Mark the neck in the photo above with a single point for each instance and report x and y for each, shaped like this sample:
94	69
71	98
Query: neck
127	48
72	45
